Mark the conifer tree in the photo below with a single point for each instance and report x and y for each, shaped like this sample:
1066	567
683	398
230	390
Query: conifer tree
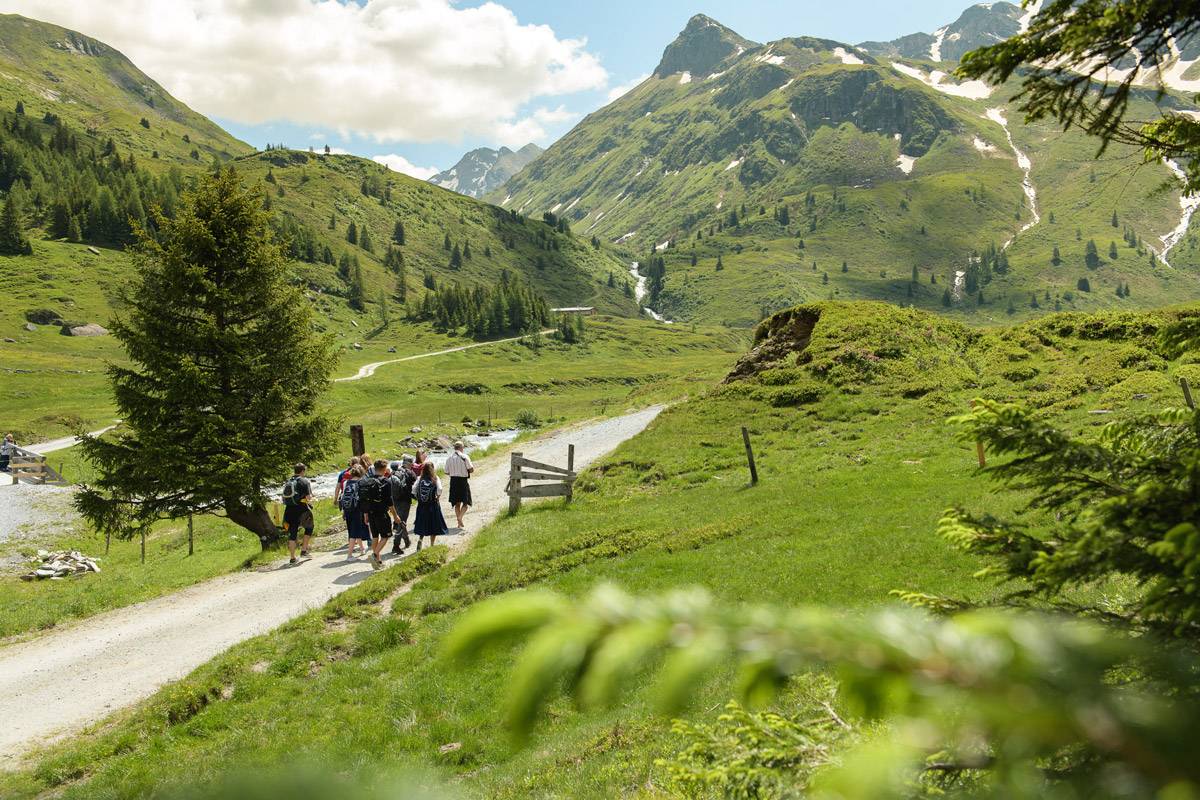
915	276
720	263
224	374
398	232
946	298
364	240
845	267
466	253
20	108
694	258
1083	285
13	241
1115	222
352	233
1112	251
446	243
1091	255
333	221
357	294
1056	259
456	258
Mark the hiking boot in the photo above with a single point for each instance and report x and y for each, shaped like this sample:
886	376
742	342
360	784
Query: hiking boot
293	561
418	545
376	562
304	554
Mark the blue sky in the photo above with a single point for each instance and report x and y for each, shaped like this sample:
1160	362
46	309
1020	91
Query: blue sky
628	36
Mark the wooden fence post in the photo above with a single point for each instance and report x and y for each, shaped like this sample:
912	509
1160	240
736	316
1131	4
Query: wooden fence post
571	469
143	544
979	453
514	484
358	444
1187	393
750	457
190	550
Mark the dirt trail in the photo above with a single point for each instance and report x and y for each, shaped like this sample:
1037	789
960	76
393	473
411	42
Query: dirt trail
76	675
367	370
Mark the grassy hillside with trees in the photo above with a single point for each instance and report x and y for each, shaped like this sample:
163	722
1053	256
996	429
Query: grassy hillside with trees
846	404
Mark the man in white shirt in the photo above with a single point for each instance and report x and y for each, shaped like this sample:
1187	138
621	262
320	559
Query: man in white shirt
459	468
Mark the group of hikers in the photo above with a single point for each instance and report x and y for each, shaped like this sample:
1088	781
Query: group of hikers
376	498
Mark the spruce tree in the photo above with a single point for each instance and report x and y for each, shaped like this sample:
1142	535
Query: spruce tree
1115	222
946	298
446	243
1091	255
224	376
364	240
20	108
13	241
466	253
1083	285
352	233
398	232
845	267
1056	259
1112	251
456	258
357	295
720	263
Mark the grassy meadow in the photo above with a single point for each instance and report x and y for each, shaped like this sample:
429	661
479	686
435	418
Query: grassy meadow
623	364
857	463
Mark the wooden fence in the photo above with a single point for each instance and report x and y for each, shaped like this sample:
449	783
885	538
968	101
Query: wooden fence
30	467
551	481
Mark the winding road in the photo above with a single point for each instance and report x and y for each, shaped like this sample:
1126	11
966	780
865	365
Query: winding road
367	370
76	675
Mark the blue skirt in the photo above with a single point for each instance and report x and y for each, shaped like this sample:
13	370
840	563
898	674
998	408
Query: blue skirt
429	521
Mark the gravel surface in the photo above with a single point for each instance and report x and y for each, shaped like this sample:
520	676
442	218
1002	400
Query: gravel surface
31	512
78	674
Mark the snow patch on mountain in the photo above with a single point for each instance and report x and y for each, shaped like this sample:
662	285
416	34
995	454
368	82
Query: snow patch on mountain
846	57
905	164
1187	206
972	90
685	77
997	115
983	146
737	162
935	49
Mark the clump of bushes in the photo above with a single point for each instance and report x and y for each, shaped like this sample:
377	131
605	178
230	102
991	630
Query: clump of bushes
528	418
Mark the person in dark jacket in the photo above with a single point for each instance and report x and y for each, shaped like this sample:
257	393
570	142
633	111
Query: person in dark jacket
428	494
402	481
375	497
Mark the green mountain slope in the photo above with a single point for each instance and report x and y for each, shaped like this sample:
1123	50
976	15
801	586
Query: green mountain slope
892	176
95	88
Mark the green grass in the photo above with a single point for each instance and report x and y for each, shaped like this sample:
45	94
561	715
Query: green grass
623	364
857	463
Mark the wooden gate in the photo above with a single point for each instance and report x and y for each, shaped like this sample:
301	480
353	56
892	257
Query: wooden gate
30	467
551	481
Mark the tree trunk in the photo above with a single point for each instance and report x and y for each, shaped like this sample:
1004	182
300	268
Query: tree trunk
256	520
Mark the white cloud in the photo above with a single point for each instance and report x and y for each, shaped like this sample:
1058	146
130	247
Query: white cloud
393	70
398	163
617	92
519	132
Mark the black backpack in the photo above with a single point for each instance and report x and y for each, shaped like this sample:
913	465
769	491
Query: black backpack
349	498
375	493
426	491
401	482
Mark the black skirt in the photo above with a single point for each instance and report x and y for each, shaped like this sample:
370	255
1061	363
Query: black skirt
429	521
460	491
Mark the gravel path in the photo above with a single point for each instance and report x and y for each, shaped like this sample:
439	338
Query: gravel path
367	370
77	675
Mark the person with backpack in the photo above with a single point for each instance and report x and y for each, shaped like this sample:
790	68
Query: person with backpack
402	481
459	468
341	481
348	502
7	448
297	511
375	500
428	493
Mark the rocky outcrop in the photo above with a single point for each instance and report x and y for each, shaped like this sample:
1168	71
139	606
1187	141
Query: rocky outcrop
776	338
702	46
59	564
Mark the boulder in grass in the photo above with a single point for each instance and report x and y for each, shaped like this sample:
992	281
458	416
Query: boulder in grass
86	329
43	316
29	326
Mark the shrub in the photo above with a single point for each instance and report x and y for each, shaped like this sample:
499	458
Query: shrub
528	418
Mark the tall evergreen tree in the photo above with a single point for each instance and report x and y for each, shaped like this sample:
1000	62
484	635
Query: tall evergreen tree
1056	258
1091	255
13	241
398	232
352	233
224	378
364	240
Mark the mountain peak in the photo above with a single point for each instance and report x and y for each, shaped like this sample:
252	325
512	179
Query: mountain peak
702	45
